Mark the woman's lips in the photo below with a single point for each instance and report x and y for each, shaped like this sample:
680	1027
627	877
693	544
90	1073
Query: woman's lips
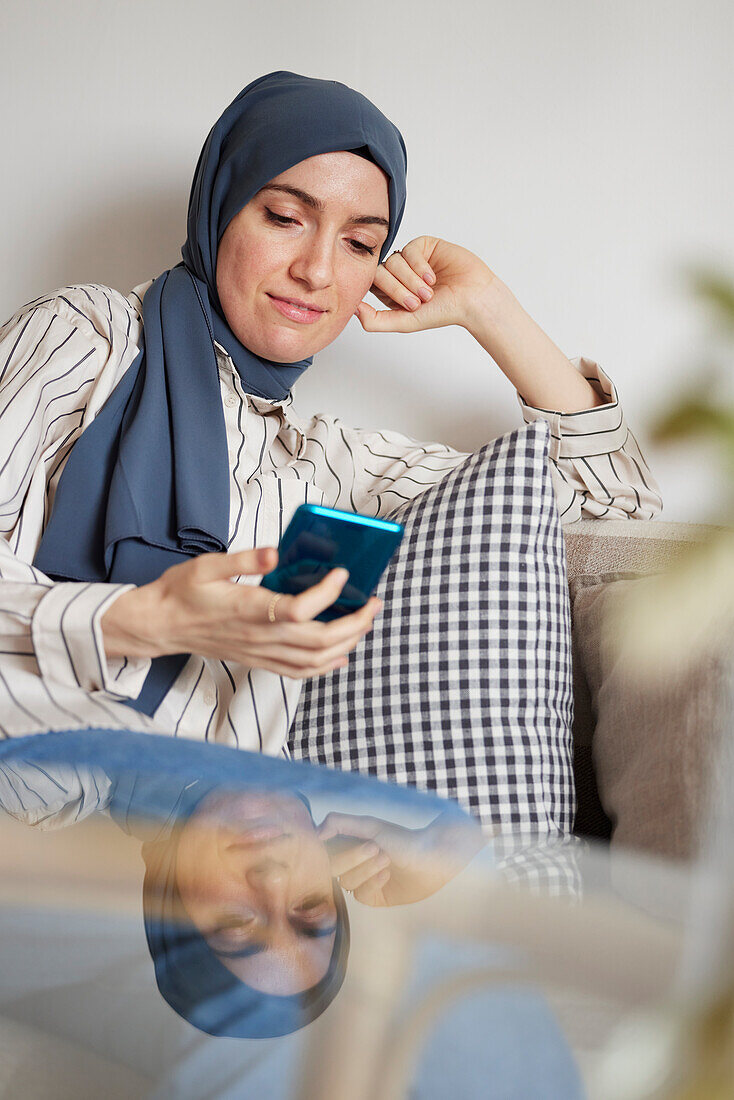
296	313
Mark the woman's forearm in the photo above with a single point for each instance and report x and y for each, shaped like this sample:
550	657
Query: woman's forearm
538	370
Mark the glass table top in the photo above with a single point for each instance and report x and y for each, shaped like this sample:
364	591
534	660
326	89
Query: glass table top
185	920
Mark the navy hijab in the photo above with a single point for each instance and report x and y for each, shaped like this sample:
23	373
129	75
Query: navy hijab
147	483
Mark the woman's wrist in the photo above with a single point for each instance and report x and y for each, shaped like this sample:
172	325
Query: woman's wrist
535	366
130	627
488	308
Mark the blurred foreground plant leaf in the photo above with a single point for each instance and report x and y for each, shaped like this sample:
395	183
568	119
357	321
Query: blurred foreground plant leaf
715	290
672	618
700	418
660	626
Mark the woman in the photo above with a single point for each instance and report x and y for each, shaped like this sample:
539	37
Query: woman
122	540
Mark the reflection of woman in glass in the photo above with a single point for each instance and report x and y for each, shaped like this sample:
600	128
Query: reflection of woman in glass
236	876
243	900
154	432
247	927
244	910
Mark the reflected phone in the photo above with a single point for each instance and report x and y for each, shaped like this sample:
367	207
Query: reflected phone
319	539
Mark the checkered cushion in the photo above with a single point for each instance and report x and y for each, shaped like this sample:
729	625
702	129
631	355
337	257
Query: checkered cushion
464	685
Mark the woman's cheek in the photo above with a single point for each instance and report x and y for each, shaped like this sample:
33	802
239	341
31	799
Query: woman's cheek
339	323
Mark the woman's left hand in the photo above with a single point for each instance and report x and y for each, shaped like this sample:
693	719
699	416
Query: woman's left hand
430	283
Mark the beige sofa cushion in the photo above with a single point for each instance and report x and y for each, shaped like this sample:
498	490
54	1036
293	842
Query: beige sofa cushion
655	739
595	547
603	551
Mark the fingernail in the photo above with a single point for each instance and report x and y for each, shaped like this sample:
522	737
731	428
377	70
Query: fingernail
412	302
342	575
430	277
425	293
370	848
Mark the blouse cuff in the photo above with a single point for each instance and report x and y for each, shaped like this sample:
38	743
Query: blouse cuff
589	432
50	799
69	645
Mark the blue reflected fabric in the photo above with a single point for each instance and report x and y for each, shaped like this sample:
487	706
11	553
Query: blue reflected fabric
146	486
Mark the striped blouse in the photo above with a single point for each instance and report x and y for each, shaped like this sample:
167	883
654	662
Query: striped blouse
60	358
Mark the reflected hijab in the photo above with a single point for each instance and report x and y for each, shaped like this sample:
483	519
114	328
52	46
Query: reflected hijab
146	485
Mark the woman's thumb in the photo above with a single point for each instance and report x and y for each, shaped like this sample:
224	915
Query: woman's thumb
261	560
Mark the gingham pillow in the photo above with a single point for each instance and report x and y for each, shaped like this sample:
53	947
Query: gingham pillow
464	685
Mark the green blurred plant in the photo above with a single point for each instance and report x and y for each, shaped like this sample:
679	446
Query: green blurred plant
668	623
700	411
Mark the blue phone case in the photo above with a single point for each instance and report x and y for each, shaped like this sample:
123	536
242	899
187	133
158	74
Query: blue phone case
319	539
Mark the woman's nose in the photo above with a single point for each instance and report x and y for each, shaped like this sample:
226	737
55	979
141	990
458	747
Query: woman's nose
314	264
267	873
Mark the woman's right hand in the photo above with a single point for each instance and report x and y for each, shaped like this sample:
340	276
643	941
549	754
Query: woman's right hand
382	863
195	607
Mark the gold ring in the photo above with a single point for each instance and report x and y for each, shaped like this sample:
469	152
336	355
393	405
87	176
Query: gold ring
272	605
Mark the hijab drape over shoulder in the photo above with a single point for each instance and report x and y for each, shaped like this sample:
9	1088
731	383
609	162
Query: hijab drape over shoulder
147	483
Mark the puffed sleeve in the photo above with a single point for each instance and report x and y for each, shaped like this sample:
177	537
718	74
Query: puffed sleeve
60	357
53	795
598	469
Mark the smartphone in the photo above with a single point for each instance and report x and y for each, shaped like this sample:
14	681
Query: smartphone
319	539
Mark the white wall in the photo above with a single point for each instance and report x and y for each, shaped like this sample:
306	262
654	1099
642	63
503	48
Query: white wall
583	149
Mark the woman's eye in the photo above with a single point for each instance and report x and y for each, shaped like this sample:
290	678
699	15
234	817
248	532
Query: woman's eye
234	926
281	219
278	219
360	247
312	907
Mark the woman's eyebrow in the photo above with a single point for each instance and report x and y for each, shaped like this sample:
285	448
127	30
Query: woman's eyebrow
317	204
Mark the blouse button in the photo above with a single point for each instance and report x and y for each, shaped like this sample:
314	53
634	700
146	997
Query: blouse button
231	399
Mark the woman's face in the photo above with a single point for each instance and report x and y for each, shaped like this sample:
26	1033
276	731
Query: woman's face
255	880
311	237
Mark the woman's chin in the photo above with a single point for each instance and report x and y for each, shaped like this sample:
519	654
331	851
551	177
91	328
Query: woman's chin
289	343
284	347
